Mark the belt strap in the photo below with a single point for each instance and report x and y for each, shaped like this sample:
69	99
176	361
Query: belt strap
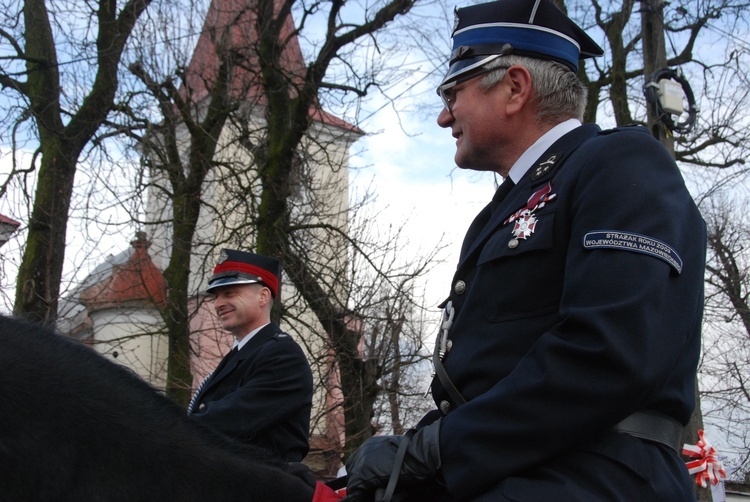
445	380
442	346
398	461
653	426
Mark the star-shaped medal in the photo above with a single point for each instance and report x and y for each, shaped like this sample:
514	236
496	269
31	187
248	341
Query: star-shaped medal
524	226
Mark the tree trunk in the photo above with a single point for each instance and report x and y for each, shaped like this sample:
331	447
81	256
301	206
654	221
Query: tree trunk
61	143
38	284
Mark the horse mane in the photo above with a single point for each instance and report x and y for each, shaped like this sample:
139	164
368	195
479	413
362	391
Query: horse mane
76	426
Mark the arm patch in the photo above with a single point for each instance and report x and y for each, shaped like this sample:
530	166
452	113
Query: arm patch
629	241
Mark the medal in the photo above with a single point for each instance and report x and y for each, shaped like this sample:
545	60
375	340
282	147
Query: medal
525	226
537	201
524	219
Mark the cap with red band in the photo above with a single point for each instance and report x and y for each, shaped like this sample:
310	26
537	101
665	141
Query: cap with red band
240	267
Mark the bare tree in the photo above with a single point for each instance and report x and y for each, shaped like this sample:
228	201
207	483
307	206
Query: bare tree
187	127
725	364
66	111
240	153
704	41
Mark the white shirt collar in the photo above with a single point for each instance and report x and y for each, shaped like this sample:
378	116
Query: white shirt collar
526	160
247	338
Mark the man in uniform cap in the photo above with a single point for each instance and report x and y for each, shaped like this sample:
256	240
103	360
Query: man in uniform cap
261	392
566	362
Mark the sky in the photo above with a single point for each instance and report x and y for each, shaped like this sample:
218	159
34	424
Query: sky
418	183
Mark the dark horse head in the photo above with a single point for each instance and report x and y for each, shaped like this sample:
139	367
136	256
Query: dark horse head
76	427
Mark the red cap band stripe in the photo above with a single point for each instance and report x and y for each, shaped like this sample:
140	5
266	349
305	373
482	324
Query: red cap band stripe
268	278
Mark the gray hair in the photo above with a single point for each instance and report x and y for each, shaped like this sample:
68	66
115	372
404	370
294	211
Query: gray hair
559	93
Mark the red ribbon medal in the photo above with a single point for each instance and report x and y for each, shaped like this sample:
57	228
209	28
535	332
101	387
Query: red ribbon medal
524	217
524	226
708	467
537	201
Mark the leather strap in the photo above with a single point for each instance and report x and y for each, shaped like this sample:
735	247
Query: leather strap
445	380
653	426
398	461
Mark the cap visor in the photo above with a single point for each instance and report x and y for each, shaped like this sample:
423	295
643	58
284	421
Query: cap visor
229	281
465	66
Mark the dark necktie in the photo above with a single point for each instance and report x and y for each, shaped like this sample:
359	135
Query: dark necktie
502	191
484	216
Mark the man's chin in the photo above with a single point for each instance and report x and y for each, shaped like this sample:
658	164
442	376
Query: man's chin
228	326
471	166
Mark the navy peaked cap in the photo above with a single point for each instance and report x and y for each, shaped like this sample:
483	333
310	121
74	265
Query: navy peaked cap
533	28
240	267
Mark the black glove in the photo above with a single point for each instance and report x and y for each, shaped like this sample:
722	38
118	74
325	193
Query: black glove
303	472
370	467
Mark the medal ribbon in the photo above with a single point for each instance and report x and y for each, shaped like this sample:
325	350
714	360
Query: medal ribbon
537	201
708	467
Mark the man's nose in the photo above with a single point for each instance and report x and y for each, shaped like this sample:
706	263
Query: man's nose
444	118
218	303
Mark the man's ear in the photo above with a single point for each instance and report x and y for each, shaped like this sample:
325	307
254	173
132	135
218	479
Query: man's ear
520	88
266	296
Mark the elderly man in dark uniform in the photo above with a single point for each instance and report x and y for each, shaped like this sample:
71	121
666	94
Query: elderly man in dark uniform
567	357
261	392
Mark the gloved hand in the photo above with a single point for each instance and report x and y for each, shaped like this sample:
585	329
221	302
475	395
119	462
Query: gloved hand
370	467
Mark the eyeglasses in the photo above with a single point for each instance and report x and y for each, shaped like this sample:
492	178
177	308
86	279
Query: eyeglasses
447	91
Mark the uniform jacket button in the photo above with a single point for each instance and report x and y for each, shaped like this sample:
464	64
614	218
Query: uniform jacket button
202	406
459	287
445	407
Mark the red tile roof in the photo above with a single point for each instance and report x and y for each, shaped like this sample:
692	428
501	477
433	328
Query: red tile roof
137	280
9	221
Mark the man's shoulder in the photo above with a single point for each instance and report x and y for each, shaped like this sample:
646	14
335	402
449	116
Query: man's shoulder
270	334
622	134
613	157
279	344
626	129
284	339
632	139
278	334
283	346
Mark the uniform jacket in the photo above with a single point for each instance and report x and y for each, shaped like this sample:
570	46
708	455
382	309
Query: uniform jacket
589	312
262	395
